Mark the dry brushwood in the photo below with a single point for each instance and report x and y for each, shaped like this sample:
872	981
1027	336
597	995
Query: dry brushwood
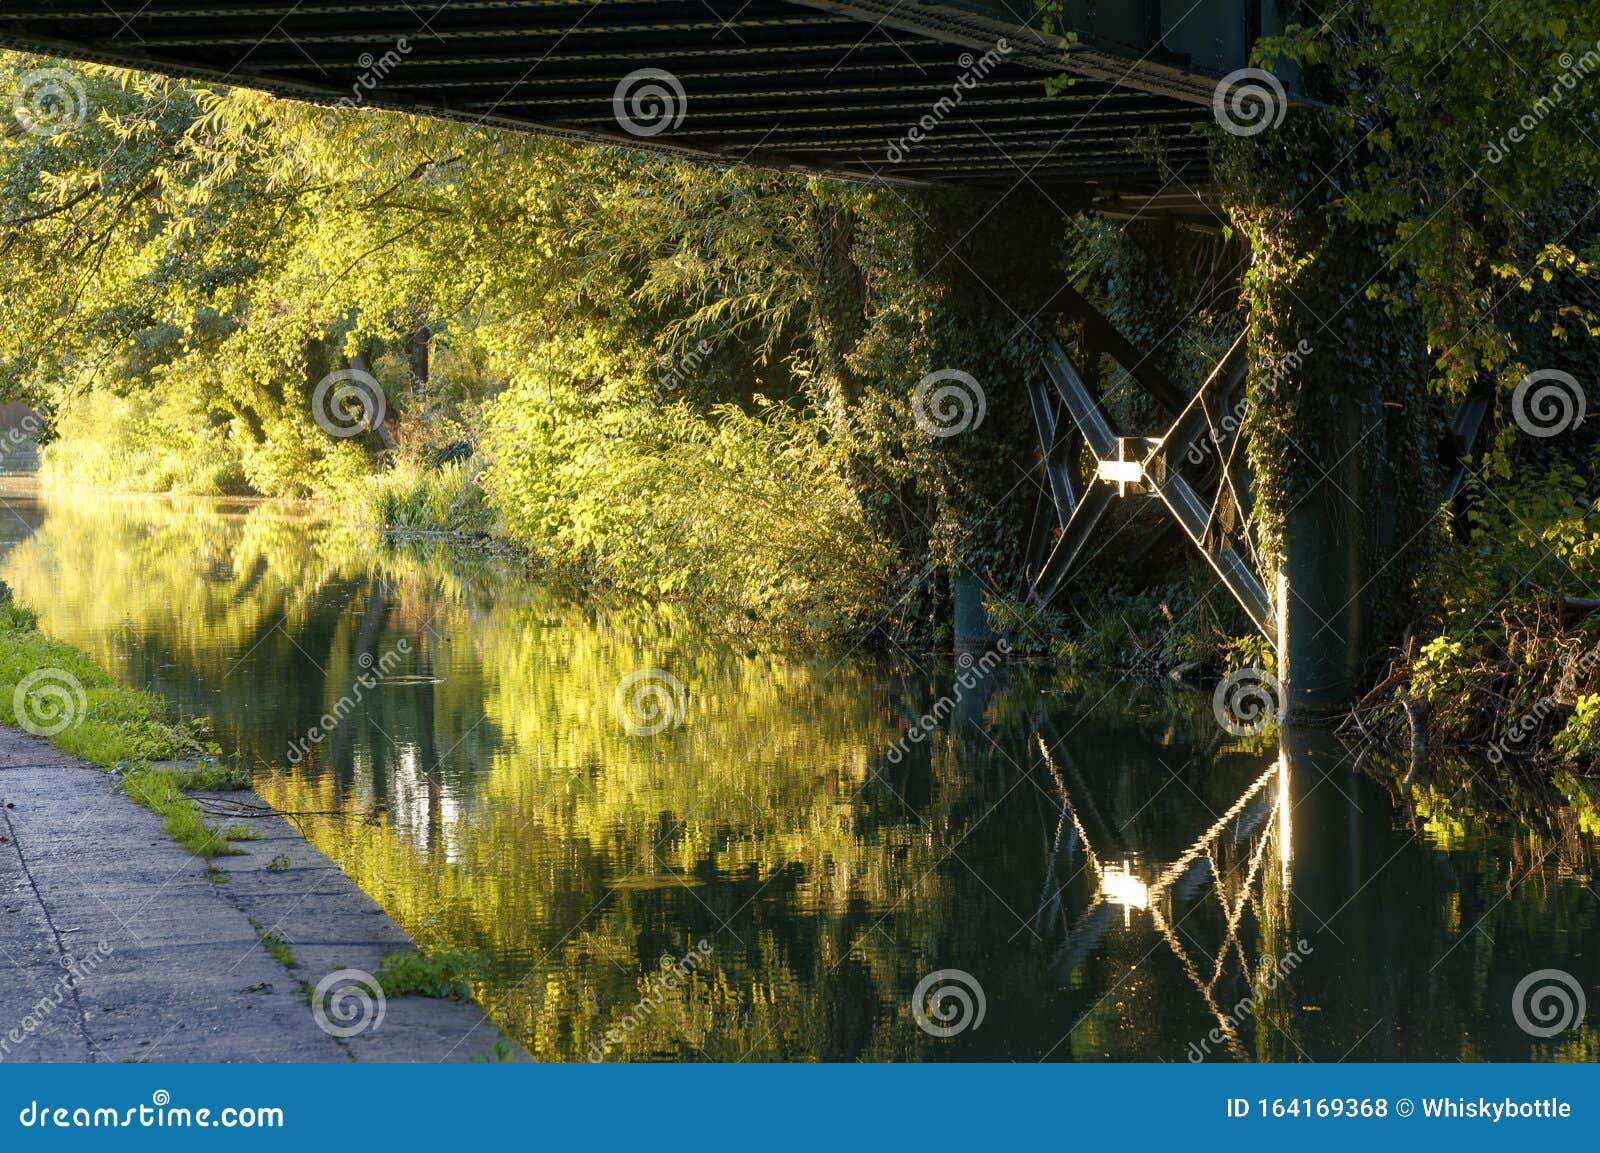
1522	676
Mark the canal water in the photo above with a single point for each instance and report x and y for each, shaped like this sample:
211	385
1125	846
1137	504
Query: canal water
655	846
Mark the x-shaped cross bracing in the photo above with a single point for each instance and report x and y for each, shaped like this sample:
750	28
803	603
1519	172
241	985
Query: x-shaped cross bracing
1197	453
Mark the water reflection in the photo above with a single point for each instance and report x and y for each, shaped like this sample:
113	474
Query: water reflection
1114	872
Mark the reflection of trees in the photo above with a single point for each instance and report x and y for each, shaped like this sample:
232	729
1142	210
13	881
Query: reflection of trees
636	847
187	589
1509	867
486	795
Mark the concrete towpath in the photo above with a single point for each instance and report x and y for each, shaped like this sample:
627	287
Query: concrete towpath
114	945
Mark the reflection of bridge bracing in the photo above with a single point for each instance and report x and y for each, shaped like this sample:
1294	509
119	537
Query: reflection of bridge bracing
817	86
1168	893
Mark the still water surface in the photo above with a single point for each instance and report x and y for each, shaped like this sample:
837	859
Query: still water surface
1115	873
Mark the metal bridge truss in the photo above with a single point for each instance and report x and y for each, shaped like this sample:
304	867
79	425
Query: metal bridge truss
1194	469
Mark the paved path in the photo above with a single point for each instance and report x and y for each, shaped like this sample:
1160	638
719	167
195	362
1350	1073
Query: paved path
169	966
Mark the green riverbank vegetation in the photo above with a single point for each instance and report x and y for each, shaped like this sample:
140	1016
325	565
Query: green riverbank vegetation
53	689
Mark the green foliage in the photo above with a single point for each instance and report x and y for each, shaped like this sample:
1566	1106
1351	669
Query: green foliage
1539	531
212	777
1579	740
244	250
1495	664
413	497
149	440
1150	631
114	724
501	1052
163	794
275	944
425	975
747	517
1467	122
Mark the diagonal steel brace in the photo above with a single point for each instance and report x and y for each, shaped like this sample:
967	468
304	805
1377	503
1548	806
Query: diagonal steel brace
1150	467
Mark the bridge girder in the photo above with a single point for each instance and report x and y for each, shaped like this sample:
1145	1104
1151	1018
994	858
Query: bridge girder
821	86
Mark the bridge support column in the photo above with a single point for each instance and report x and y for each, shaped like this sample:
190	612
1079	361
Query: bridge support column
970	618
1314	602
1341	434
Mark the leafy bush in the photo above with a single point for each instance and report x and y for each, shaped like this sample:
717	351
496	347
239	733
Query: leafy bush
425	975
1147	631
446	498
1579	740
745	516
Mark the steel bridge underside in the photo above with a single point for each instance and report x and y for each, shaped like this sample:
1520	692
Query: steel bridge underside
808	85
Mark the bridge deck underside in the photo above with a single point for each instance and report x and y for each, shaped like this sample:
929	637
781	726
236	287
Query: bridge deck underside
806	86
